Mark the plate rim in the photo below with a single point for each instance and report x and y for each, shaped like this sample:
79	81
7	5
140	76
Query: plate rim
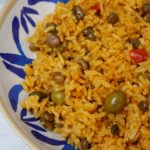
3	14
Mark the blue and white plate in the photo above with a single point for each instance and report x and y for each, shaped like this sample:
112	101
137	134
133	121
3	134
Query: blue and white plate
19	20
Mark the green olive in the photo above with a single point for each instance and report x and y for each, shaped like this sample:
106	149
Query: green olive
146	8
113	18
85	145
39	94
115	101
58	97
89	33
52	40
78	12
135	42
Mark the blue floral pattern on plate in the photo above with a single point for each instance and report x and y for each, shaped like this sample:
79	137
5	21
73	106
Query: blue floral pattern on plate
15	63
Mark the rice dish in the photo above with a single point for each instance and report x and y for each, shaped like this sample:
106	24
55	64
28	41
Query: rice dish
90	81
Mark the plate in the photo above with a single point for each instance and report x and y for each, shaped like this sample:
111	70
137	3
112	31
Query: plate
17	22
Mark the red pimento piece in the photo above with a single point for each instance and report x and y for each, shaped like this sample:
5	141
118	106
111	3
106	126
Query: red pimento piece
96	8
138	55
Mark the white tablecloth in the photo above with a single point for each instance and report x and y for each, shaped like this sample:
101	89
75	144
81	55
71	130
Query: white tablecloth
8	138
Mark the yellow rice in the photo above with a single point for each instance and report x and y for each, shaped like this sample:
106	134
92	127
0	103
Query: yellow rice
84	115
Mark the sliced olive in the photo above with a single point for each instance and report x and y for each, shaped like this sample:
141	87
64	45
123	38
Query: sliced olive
39	94
52	40
85	145
53	27
89	33
47	117
135	43
78	12
115	101
58	97
58	78
84	64
143	105
115	129
113	18
33	48
146	8
147	18
60	49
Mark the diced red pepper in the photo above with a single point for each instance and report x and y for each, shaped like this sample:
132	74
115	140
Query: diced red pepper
138	55
96	7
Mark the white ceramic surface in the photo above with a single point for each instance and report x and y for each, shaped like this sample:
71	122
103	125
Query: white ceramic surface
8	137
17	22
